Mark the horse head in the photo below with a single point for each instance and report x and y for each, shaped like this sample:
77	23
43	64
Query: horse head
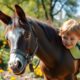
23	44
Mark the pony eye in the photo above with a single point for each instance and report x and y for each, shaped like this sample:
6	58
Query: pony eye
27	35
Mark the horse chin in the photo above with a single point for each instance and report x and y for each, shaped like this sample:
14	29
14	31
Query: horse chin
19	72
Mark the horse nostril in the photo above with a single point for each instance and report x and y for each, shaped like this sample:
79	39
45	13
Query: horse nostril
19	64
15	65
10	65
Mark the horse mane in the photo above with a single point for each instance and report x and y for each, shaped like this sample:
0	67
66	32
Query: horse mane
48	29
43	22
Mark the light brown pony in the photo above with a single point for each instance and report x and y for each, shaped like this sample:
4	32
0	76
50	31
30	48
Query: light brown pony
29	37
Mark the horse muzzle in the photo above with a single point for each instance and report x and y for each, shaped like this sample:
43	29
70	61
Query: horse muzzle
17	63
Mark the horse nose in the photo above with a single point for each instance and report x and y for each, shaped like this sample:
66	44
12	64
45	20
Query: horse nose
15	65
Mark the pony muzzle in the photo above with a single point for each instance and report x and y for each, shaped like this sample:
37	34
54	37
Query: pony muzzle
17	63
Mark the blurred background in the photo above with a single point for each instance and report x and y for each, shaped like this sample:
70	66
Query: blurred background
53	12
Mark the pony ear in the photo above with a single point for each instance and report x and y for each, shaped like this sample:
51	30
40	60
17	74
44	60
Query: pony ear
22	16
20	13
5	18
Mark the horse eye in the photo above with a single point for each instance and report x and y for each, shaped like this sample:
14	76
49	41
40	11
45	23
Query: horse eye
27	35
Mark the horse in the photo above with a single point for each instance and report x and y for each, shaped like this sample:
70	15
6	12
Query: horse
28	37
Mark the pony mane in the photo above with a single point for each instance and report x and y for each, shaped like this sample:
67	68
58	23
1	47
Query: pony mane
29	18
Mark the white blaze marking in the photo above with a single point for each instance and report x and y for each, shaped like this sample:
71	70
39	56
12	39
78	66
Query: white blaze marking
14	35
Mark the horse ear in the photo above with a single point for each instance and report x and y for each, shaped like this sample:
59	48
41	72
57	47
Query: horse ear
20	13
5	18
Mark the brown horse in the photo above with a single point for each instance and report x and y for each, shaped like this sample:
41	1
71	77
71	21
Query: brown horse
29	37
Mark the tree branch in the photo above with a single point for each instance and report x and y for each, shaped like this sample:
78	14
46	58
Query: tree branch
8	6
52	8
59	9
18	2
44	7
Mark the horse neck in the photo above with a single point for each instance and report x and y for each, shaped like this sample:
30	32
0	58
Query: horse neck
47	52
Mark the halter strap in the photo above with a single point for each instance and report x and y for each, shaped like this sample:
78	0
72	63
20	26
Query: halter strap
18	51
28	55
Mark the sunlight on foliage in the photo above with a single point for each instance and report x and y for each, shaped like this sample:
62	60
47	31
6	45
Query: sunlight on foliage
38	71
1	71
13	78
9	70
